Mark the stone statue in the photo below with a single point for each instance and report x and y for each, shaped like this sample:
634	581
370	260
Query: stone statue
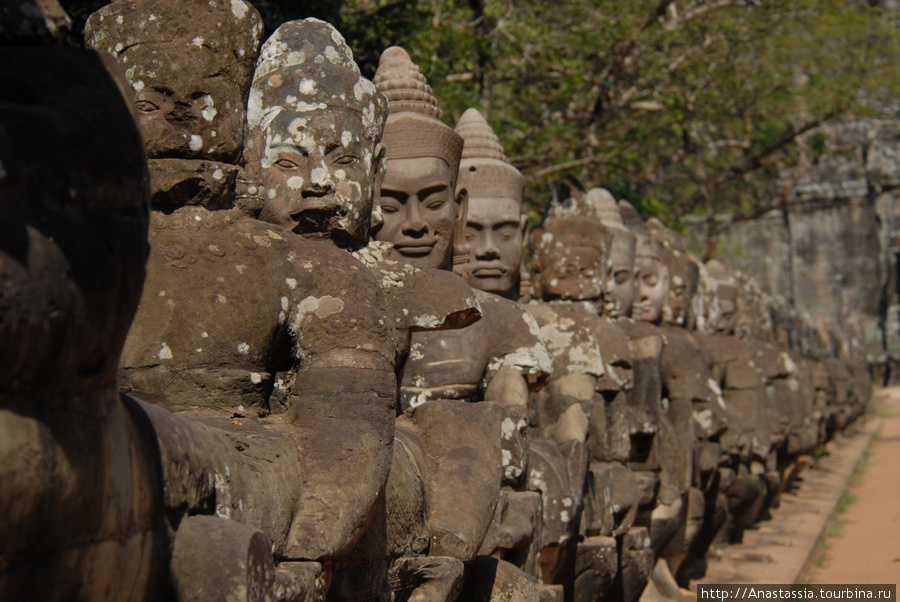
235	310
600	204
424	219
590	405
424	211
189	68
81	494
496	228
315	127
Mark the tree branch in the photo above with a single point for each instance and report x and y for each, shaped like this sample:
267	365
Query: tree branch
569	165
692	12
761	159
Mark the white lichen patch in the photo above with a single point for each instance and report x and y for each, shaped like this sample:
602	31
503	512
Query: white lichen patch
415	351
164	352
307	86
585	358
255	378
196	143
243	348
295	182
427	321
198	41
238	8
291	283
419	399
508	428
209	109
321	307
704	418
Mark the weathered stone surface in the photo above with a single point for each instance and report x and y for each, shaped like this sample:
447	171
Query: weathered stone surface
515	534
81	495
460	459
425	579
596	567
33	22
189	66
490	579
637	563
226	560
460	364
422	151
314	137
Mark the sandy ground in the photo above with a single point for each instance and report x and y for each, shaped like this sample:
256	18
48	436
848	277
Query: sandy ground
868	549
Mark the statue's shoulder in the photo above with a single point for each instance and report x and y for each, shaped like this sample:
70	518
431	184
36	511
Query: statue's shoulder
420	298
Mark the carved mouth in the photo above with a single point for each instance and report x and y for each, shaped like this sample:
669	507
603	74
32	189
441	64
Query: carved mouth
488	272
418	248
317	215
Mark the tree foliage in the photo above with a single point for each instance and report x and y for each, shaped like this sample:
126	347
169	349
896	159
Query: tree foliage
680	106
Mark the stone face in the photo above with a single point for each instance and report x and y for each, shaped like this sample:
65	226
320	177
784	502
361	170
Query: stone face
314	138
571	259
189	67
424	213
495	226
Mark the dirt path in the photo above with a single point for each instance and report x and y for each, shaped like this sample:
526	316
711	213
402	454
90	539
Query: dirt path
867	550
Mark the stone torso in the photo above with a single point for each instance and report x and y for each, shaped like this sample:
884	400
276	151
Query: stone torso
230	301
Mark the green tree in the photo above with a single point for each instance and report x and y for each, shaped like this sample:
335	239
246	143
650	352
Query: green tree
680	106
698	106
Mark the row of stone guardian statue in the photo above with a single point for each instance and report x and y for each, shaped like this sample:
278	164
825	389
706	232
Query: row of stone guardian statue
269	334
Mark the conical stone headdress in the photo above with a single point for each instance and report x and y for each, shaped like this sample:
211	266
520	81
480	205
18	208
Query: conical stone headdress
414	128
306	66
484	170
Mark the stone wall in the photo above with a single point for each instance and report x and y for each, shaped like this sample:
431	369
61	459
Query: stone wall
833	250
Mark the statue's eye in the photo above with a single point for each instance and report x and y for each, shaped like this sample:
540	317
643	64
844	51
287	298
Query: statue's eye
346	160
286	164
145	106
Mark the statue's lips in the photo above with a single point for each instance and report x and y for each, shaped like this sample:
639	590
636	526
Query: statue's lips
316	213
416	248
488	272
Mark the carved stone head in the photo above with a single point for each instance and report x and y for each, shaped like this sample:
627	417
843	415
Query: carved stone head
622	286
727	295
74	217
683	276
424	211
651	275
495	227
571	259
652	280
189	66
314	139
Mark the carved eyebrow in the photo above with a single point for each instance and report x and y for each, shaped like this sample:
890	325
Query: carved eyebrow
333	146
433	189
513	223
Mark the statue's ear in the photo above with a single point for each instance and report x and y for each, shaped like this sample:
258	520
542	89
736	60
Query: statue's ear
379	168
462	214
525	228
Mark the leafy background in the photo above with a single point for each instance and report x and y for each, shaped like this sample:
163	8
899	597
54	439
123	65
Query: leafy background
682	107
